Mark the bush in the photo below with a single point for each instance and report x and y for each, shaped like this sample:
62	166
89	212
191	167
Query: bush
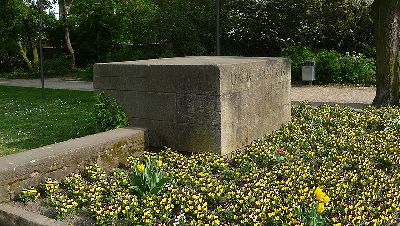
108	113
57	66
333	67
250	28
298	55
85	73
10	62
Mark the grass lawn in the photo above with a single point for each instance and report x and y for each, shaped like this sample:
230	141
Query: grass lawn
329	166
26	122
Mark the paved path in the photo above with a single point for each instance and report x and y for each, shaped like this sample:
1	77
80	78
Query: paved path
356	97
51	83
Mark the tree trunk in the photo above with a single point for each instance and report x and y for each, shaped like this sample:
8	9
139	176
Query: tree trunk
32	41
386	15
22	51
64	13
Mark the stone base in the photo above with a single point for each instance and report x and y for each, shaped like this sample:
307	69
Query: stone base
30	168
198	104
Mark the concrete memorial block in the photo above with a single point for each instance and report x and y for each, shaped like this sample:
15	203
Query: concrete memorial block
197	104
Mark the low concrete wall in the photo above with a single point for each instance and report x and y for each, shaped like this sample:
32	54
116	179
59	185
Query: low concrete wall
13	216
198	104
31	167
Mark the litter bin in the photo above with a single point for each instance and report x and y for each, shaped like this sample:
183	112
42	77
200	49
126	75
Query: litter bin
308	71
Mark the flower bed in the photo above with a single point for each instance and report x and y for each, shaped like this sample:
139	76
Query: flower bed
329	166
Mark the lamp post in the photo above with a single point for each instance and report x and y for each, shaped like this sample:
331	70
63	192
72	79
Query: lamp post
217	35
40	46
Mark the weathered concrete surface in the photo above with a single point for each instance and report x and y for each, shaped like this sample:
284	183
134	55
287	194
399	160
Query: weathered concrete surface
198	104
29	168
14	216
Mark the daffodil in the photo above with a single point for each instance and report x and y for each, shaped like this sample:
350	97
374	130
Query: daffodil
140	168
159	163
320	208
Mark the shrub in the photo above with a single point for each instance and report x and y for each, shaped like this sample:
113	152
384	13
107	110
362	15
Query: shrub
85	73
10	62
328	67
333	67
298	55
57	66
108	113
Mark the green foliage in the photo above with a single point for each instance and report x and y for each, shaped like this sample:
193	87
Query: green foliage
63	205
130	52
10	61
141	29
328	67
148	177
58	65
108	113
84	73
394	125
310	217
251	29
333	67
28	195
50	187
298	55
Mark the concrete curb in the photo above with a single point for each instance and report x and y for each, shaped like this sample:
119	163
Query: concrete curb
30	168
14	216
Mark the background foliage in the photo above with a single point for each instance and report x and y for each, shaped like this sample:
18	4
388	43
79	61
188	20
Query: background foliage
110	30
333	67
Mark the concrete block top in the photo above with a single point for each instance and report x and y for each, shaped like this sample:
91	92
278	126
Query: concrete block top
197	60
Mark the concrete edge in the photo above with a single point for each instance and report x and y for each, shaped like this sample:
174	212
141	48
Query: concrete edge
14	216
30	168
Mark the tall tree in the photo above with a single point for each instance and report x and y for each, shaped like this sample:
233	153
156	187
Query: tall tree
27	16
64	11
386	15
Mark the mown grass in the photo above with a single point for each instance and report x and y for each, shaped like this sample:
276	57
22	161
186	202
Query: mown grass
27	122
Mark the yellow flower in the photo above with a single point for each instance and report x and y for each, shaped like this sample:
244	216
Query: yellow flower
317	191
140	168
321	196
159	163
320	208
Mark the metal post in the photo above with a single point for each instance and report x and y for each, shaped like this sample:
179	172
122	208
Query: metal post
41	47
217	9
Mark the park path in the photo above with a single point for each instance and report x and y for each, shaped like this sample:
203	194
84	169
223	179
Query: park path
355	97
51	83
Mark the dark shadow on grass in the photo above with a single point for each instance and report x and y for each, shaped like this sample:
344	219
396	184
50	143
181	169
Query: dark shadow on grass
355	106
